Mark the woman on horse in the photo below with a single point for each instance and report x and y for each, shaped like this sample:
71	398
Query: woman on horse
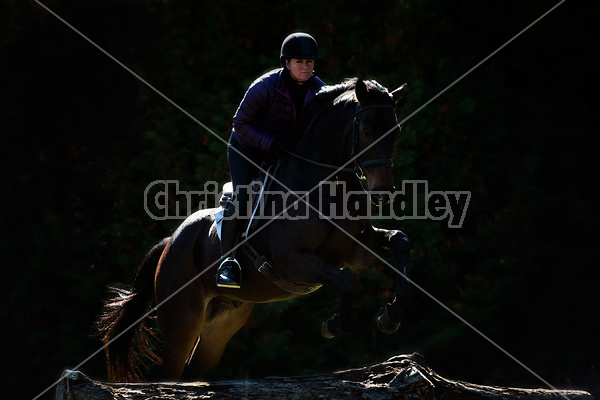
260	134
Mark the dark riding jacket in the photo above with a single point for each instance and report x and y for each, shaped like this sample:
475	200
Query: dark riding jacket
267	110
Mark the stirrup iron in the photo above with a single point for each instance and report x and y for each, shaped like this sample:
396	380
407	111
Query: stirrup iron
226	274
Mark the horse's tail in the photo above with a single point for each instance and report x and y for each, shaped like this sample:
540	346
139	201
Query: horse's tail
122	327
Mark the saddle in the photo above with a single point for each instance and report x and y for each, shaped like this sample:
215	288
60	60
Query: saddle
260	262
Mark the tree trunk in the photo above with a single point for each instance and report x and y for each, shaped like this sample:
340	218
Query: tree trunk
400	377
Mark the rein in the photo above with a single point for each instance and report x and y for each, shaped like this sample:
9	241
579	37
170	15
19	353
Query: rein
358	163
320	164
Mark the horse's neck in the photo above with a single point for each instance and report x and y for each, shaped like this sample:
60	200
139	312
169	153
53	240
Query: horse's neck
328	138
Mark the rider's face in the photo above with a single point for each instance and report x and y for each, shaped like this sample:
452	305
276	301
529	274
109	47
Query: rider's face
300	70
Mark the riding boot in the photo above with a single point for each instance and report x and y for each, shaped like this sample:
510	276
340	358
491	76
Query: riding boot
229	273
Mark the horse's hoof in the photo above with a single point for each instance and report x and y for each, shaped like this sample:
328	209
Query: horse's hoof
385	323
330	328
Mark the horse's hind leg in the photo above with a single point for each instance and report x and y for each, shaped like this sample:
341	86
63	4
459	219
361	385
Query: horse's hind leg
225	321
179	325
182	309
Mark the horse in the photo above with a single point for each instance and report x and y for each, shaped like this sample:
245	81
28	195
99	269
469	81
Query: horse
349	131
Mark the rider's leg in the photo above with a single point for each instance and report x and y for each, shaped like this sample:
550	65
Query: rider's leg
229	272
242	172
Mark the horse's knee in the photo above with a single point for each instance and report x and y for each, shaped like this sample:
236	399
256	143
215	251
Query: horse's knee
394	240
400	242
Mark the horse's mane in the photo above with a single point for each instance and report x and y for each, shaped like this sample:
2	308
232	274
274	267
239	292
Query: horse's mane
334	94
328	95
343	93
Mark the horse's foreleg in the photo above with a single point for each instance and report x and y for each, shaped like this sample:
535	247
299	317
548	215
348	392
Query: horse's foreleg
390	316
306	267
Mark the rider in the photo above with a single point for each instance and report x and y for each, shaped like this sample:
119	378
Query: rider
260	133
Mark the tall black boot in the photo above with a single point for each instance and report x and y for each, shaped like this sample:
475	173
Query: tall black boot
229	273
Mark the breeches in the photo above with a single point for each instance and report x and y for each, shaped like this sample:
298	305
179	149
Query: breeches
243	167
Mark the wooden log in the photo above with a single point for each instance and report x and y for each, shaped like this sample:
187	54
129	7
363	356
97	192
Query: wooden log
400	377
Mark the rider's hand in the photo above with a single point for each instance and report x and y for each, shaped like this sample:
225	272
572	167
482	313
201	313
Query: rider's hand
280	146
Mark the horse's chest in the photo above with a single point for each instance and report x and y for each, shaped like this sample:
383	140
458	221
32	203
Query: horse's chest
337	243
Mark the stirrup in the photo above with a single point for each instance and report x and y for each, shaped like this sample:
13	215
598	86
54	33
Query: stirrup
229	274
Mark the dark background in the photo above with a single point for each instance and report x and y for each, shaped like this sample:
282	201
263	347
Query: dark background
82	138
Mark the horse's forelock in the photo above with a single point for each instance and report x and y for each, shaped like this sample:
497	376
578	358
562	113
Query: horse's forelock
378	92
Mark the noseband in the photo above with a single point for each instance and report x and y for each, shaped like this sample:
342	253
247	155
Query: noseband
359	164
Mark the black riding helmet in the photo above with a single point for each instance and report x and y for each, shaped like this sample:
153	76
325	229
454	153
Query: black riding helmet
299	45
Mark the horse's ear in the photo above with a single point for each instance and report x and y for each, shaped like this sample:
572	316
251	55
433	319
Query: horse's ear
397	94
361	90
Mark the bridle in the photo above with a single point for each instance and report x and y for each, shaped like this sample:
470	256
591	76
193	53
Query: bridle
359	164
